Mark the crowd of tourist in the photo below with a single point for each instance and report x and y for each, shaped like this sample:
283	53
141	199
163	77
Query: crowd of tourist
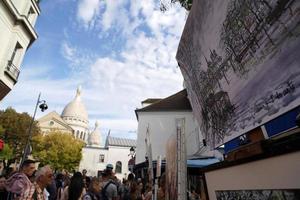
43	184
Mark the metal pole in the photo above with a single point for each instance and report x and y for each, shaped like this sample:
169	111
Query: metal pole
27	146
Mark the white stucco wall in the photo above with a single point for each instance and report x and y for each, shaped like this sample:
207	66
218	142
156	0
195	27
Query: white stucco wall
162	126
90	159
12	32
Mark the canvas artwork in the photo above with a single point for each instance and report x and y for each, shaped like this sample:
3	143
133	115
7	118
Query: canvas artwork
283	194
171	168
241	65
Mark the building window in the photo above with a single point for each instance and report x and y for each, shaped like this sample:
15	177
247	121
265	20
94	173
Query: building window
119	167
15	54
31	15
81	135
77	134
84	136
51	123
101	158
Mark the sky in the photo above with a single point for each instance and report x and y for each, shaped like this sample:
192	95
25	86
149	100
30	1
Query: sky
121	52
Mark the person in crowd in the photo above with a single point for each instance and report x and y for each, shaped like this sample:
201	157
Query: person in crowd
148	192
93	190
162	187
135	192
109	189
52	189
3	192
75	190
59	182
86	179
61	191
19	185
44	178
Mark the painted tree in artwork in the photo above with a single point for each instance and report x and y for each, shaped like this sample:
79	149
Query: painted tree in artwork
187	4
59	150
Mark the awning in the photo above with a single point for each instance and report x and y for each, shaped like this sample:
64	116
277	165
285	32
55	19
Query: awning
198	163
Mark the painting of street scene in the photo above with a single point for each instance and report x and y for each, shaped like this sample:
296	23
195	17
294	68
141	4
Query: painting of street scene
250	74
258	195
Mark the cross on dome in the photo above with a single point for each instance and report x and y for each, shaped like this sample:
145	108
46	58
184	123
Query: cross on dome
78	92
96	125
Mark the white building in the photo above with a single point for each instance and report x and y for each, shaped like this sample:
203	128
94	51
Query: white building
95	156
115	151
17	33
160	118
73	120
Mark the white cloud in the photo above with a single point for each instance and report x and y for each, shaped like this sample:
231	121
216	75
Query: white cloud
114	85
87	11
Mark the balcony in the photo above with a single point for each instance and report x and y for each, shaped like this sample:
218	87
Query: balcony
12	71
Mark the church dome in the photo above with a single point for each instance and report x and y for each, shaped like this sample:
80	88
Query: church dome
95	137
76	109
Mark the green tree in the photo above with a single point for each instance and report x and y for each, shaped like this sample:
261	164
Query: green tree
15	130
57	149
6	155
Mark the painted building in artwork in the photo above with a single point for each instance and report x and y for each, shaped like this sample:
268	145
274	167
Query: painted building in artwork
17	20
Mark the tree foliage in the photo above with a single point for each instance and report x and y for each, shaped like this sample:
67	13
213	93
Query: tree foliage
6	153
57	149
15	130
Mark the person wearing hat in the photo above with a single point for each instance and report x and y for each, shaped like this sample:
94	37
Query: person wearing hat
109	167
109	190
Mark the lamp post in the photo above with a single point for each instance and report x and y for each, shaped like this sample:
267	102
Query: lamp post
43	106
131	161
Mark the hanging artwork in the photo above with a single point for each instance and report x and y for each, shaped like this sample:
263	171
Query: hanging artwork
284	194
241	65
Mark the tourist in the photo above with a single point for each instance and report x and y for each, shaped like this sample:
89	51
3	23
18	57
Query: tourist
109	189
135	191
148	192
44	178
86	179
3	192
162	187
75	190
93	190
18	185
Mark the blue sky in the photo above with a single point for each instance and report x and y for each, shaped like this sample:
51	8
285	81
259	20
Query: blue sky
121	52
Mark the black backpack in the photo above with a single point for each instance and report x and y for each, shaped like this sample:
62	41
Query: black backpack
103	192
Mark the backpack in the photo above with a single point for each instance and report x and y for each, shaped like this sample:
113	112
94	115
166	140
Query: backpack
103	192
90	195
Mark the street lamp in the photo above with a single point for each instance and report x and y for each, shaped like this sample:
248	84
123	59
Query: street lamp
131	161
132	152
43	106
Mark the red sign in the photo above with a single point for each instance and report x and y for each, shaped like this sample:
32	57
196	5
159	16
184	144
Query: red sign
1	145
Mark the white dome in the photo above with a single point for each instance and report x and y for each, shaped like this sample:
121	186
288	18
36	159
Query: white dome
76	109
95	137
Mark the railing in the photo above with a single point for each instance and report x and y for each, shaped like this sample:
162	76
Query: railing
12	71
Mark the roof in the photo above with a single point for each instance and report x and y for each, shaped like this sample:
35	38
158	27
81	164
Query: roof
76	108
175	102
151	100
55	117
123	142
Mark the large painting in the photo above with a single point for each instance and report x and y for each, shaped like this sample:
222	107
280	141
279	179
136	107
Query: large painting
241	64
283	194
